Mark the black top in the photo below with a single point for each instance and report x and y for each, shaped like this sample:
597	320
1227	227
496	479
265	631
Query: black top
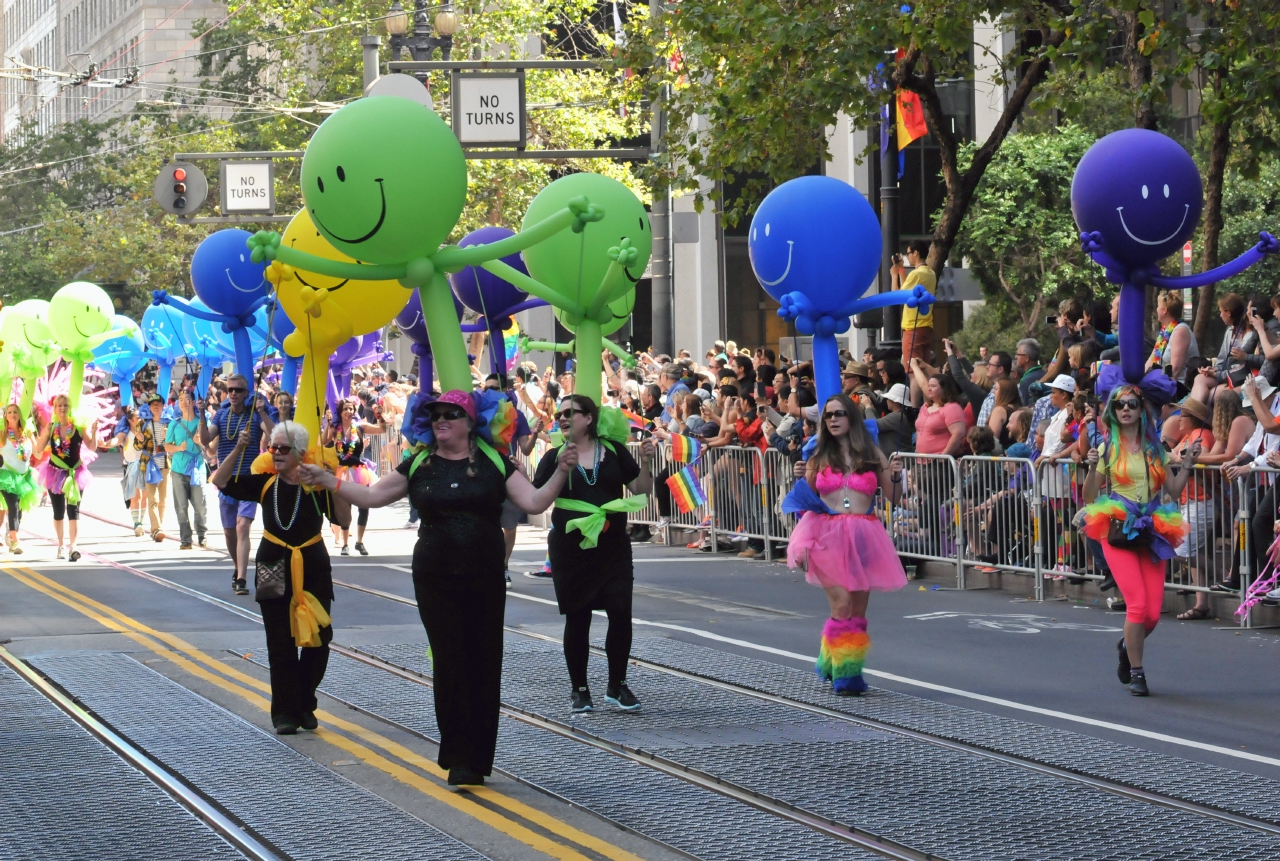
585	578
72	459
460	546
353	459
312	508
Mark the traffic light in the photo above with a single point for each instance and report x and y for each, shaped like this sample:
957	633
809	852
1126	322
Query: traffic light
181	188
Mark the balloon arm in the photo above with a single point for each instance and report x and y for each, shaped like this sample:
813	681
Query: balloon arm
918	298
101	338
162	298
338	268
525	306
480	325
1266	245
628	360
547	345
453	258
536	288
613	279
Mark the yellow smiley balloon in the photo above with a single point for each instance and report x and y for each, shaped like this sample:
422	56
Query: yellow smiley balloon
326	313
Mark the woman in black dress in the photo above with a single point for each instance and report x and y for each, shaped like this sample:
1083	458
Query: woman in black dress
593	571
458	486
294	579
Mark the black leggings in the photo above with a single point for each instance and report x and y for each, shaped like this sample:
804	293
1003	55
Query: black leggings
59	503
15	513
362	517
617	643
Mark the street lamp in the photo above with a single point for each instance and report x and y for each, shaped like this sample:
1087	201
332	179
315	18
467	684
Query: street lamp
422	43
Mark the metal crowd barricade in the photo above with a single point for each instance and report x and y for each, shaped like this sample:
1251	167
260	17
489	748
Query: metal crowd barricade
927	522
1000	510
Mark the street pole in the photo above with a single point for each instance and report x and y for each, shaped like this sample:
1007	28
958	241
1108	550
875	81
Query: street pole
892	332
661	282
370	45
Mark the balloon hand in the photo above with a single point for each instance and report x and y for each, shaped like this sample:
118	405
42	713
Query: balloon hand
1267	243
1091	243
920	299
794	305
278	273
624	252
312	299
159	297
263	245
584	213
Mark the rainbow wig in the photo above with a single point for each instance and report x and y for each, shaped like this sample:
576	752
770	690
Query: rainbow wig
1148	435
843	653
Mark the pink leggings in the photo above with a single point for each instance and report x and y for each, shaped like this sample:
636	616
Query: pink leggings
1141	582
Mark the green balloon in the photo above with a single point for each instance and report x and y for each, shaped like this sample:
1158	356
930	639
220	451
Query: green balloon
619	311
79	312
575	263
384	180
24	329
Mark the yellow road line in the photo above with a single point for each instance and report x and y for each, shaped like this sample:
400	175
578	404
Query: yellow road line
146	636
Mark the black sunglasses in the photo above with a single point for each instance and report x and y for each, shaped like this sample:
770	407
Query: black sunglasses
835	414
279	449
567	415
1128	404
232	391
447	415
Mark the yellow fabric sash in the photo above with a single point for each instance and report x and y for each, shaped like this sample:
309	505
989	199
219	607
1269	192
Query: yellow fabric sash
306	614
593	524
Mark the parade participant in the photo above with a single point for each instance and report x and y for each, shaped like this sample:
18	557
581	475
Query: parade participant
1138	532
840	541
131	457
155	459
186	470
278	408
225	427
294	580
458	485
347	439
64	475
589	548
17	481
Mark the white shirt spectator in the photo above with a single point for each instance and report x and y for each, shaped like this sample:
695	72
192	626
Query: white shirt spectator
1054	475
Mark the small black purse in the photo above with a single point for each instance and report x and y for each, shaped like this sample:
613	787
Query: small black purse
269	580
1116	536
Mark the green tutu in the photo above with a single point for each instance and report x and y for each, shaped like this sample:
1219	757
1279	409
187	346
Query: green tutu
22	486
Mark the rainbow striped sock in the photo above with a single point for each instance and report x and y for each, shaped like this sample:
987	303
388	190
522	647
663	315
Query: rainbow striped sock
844	652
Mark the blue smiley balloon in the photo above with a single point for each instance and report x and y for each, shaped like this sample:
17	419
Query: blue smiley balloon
224	276
1141	191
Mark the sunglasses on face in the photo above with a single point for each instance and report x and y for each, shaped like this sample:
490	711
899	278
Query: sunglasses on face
567	415
279	449
447	415
1129	404
835	414
236	391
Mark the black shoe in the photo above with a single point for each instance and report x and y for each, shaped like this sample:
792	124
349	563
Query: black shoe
507	576
73	556
1108	582
582	701
239	587
460	775
360	548
284	726
1123	670
308	721
1138	687
621	696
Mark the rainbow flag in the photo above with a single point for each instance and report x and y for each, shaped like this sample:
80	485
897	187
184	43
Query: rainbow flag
685	449
511	344
638	421
686	490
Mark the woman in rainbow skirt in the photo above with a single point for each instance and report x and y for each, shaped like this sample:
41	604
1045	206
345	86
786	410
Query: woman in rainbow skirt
1139	528
840	542
347	438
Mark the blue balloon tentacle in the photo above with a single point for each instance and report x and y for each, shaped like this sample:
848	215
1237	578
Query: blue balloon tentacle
187	308
826	367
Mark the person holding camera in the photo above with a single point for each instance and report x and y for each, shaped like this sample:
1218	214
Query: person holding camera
1137	520
917	328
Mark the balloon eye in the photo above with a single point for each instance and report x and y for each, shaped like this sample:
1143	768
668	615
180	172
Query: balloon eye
342	174
320	182
1166	190
1144	192
766	229
755	234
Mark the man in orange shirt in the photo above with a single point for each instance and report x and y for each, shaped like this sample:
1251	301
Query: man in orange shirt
917	329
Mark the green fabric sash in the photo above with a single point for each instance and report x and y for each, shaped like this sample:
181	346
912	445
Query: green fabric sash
593	524
488	451
70	489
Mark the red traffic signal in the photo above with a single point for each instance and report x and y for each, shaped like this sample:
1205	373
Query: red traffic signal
179	175
180	188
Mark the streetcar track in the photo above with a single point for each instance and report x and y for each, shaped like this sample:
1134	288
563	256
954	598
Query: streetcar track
251	845
748	796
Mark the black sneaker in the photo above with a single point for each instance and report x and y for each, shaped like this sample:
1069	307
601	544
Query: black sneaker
1123	670
507	576
460	775
284	726
621	696
239	587
360	548
1138	686
308	721
582	701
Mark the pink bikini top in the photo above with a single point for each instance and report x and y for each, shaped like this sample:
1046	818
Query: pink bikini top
829	481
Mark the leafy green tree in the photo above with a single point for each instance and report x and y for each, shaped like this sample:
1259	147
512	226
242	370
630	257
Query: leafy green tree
1019	237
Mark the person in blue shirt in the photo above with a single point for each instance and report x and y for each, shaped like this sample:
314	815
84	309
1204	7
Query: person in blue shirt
186	470
672	390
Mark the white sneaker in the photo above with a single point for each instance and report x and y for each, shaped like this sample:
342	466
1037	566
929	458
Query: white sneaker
662	524
410	525
1274	594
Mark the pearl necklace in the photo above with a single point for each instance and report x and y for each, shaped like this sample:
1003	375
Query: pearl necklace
275	504
595	469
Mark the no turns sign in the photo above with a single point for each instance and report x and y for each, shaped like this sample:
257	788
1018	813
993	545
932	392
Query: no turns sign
489	109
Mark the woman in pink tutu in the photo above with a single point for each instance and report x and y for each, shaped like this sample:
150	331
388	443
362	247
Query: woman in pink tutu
840	541
66	473
347	438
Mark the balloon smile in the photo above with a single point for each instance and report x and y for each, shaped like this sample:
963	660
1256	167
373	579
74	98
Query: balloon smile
791	246
1185	211
382	216
633	279
306	283
27	337
75	321
237	286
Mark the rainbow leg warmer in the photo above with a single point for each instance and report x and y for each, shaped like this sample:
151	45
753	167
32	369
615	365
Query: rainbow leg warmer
843	654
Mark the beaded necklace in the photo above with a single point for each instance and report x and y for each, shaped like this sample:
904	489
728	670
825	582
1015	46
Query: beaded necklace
1162	341
275	504
61	444
346	443
19	443
595	469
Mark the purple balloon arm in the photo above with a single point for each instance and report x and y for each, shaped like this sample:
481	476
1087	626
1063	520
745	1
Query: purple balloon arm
479	325
1267	244
523	282
525	306
1130	332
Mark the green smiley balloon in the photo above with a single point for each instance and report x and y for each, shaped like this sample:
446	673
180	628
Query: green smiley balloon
384	180
80	319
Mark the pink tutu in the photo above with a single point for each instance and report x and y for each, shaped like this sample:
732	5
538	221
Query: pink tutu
53	479
361	473
852	551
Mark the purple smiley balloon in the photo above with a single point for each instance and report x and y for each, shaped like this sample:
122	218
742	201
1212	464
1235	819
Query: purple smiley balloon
481	290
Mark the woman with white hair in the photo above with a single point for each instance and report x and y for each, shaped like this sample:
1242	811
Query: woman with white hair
294	581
